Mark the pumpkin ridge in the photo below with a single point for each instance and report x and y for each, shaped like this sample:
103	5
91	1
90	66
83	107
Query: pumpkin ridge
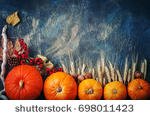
22	91
18	94
12	90
95	86
26	75
51	92
13	87
20	73
64	79
69	87
15	74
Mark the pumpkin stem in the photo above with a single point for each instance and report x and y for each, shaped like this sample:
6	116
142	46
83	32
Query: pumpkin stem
21	84
59	89
114	91
140	87
90	91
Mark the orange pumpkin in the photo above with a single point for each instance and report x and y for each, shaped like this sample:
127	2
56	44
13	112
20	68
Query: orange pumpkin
90	89
60	86
115	91
23	82
139	89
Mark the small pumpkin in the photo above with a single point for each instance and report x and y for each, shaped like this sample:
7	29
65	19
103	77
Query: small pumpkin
139	89
115	91
90	89
23	82
60	86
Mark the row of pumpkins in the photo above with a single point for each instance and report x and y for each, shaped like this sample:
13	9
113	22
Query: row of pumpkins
24	82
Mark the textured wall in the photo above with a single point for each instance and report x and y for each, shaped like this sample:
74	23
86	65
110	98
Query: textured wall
84	27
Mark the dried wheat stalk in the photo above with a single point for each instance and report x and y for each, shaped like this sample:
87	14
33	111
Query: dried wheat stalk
115	77
107	74
112	71
145	68
119	75
64	67
142	67
102	62
99	72
129	76
125	71
93	73
83	68
78	71
72	66
80	63
133	69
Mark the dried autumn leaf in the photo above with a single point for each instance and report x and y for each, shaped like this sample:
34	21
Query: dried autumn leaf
17	45
49	65
42	57
13	19
10	49
9	45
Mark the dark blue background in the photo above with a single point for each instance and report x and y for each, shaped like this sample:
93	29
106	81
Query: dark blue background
120	28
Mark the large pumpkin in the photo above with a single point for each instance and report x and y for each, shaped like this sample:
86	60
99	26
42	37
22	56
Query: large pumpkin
139	89
115	91
60	86
90	89
23	82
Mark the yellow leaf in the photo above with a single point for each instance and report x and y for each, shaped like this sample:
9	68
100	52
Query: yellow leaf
13	19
